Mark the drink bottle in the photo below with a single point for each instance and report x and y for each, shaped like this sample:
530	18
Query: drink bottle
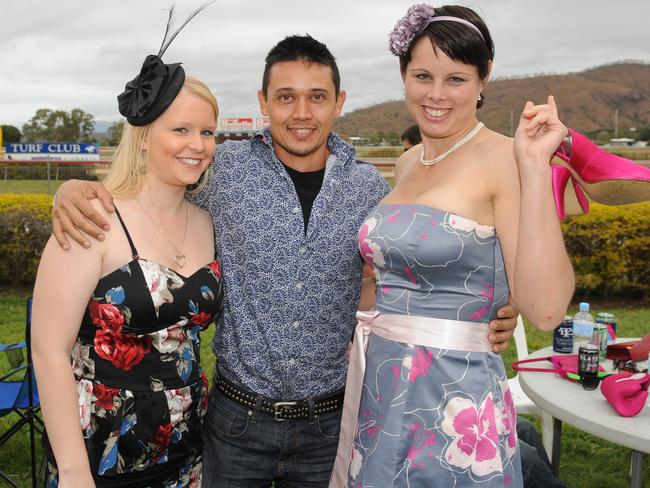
583	327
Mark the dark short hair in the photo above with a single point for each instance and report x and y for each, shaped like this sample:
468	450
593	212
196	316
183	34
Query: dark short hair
412	135
300	48
458	41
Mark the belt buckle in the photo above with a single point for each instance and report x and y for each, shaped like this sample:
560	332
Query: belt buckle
277	409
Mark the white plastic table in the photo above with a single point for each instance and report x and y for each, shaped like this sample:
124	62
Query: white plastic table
588	411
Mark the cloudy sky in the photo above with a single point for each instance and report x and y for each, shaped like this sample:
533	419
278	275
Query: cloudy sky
62	54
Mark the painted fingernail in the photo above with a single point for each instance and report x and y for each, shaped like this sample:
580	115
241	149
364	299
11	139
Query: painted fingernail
86	244
106	227
100	237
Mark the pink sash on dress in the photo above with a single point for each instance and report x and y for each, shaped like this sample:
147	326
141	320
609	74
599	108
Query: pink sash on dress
410	329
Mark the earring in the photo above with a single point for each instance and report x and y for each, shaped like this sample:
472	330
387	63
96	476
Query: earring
480	95
143	166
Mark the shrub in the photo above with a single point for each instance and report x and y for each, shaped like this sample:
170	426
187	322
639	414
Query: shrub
24	229
609	247
610	251
39	204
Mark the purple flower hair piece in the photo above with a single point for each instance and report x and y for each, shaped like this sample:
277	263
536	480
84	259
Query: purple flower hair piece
417	18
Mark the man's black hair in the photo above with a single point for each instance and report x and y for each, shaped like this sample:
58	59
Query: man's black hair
300	48
412	135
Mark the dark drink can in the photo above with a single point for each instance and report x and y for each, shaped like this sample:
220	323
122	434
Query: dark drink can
563	336
588	366
609	320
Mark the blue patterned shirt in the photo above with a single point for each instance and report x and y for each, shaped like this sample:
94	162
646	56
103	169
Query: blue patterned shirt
290	297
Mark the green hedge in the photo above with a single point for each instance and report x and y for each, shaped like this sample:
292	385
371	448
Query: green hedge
610	246
24	229
610	250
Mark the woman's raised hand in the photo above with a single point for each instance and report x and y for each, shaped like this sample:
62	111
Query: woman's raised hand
539	133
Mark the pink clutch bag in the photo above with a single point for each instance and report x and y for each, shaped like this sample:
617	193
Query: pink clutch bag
627	393
564	365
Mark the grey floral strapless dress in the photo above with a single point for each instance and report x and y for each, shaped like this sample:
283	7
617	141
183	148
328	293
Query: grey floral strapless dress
432	417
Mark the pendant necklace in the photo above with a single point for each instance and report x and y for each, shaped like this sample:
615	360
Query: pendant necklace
468	137
179	256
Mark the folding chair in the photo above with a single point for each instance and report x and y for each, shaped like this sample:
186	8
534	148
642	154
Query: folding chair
18	394
523	404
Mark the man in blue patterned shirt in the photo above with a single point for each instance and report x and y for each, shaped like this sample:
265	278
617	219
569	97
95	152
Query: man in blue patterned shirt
287	207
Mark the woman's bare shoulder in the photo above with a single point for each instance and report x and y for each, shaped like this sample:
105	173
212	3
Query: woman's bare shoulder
497	144
99	208
201	216
408	158
496	151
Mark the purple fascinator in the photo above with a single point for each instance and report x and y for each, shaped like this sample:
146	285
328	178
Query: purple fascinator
417	18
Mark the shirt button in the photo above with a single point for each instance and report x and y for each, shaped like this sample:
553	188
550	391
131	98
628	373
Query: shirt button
295	210
302	249
292	362
296	324
299	285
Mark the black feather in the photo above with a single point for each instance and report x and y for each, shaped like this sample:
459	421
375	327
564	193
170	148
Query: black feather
168	40
169	23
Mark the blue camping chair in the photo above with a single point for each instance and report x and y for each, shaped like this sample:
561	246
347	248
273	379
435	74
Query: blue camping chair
19	395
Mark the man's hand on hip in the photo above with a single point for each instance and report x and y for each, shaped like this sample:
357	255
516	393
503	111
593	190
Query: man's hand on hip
502	328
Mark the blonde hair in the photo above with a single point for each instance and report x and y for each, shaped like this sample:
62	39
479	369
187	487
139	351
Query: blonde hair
126	176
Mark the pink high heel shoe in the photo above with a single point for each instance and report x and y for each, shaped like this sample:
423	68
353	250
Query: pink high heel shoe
575	199
605	177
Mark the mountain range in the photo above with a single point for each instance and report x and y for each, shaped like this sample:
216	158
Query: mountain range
588	101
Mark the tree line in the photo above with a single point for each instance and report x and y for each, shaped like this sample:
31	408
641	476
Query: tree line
78	126
61	126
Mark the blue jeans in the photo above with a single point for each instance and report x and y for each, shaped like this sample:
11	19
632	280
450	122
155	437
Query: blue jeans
245	448
535	464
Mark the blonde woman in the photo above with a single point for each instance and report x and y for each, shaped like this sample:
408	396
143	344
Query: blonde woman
127	410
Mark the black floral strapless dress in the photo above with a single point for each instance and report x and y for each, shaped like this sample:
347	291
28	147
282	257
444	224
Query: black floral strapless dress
142	394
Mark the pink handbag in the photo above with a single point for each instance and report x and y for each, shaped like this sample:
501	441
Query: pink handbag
627	393
564	365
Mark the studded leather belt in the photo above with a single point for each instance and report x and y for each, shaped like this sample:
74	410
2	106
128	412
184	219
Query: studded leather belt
281	410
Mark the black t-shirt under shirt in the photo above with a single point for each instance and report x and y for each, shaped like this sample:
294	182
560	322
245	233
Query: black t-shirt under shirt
307	187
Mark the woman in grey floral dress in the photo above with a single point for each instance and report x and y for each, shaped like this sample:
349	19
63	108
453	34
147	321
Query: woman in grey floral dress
469	221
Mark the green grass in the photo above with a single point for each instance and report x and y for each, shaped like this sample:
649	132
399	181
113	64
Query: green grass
28	186
586	461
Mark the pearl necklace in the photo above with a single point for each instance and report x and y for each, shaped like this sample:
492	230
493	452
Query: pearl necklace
469	136
179	256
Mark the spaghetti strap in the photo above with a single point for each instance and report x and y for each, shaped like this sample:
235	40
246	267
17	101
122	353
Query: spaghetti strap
134	251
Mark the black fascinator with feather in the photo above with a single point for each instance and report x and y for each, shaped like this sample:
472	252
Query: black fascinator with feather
149	94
